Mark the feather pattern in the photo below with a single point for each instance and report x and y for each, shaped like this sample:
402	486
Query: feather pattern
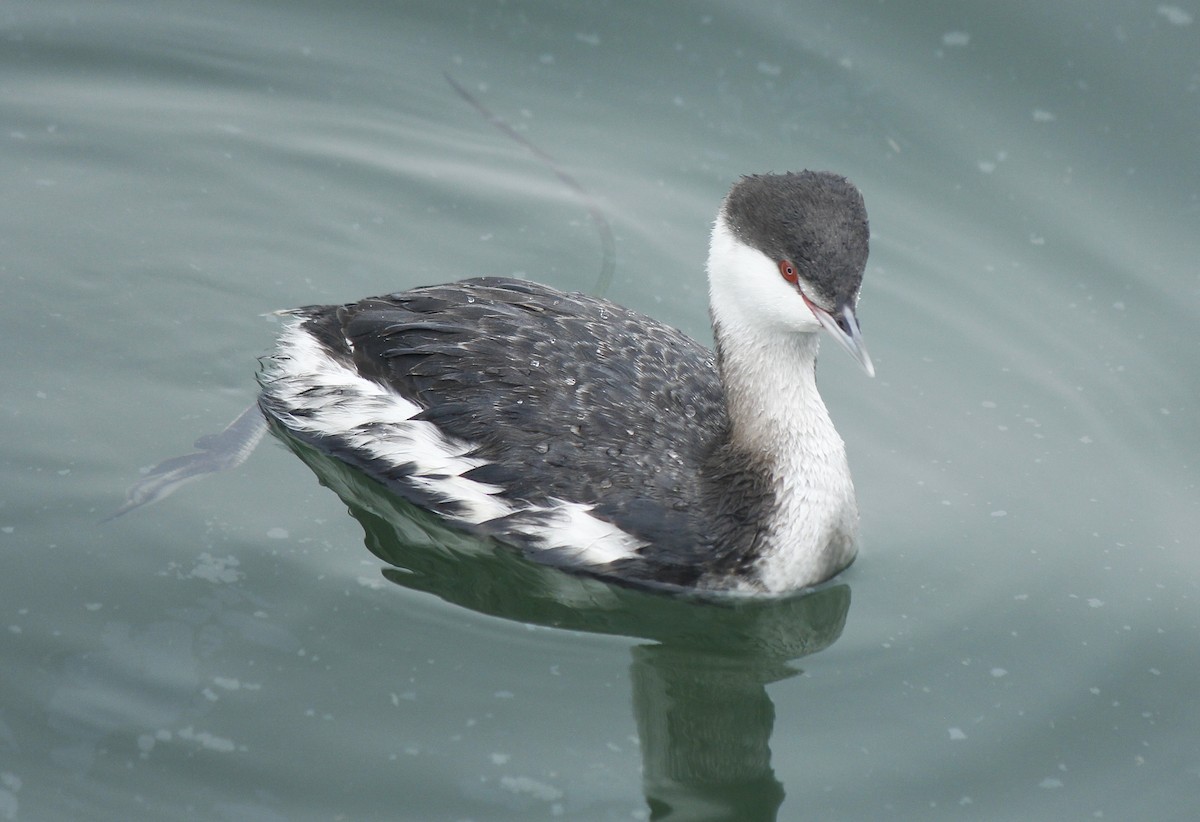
595	437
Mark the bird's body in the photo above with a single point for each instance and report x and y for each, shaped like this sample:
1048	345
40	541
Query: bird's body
594	437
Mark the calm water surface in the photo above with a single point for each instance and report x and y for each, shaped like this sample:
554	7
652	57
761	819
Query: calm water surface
1018	639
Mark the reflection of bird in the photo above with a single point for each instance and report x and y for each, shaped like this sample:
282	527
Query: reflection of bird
597	438
704	717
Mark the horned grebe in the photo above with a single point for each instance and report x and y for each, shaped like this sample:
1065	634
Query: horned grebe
594	437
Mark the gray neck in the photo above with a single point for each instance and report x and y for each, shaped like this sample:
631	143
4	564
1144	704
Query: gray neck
779	421
771	391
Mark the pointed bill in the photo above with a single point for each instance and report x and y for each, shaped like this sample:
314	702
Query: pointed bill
844	328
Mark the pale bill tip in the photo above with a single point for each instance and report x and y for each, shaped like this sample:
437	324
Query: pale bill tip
847	335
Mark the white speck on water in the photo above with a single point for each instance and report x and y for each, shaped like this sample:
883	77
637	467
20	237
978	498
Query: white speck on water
215	569
374	583
957	735
500	758
1021	597
1086	440
1050	782
503	695
988	166
1119	306
1095	603
999	672
1156	672
1037	239
1040	115
93	606
530	787
999	513
207	740
227	683
7	529
956	39
988	404
770	69
546	59
1175	15
588	38
277	533
210	694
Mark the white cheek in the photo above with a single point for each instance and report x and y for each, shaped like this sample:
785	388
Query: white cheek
746	288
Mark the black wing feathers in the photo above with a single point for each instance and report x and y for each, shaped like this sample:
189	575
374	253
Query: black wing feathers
564	395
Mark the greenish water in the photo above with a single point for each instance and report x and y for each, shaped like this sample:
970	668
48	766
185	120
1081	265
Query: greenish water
1018	638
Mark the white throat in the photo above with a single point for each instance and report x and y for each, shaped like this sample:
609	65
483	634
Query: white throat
767	338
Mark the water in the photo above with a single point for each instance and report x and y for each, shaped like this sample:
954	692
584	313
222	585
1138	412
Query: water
1017	640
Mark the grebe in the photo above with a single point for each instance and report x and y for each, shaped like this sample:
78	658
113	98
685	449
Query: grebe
595	438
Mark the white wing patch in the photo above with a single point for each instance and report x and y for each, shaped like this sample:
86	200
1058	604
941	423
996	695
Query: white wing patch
572	530
312	393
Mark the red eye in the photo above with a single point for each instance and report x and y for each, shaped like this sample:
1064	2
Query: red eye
788	271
